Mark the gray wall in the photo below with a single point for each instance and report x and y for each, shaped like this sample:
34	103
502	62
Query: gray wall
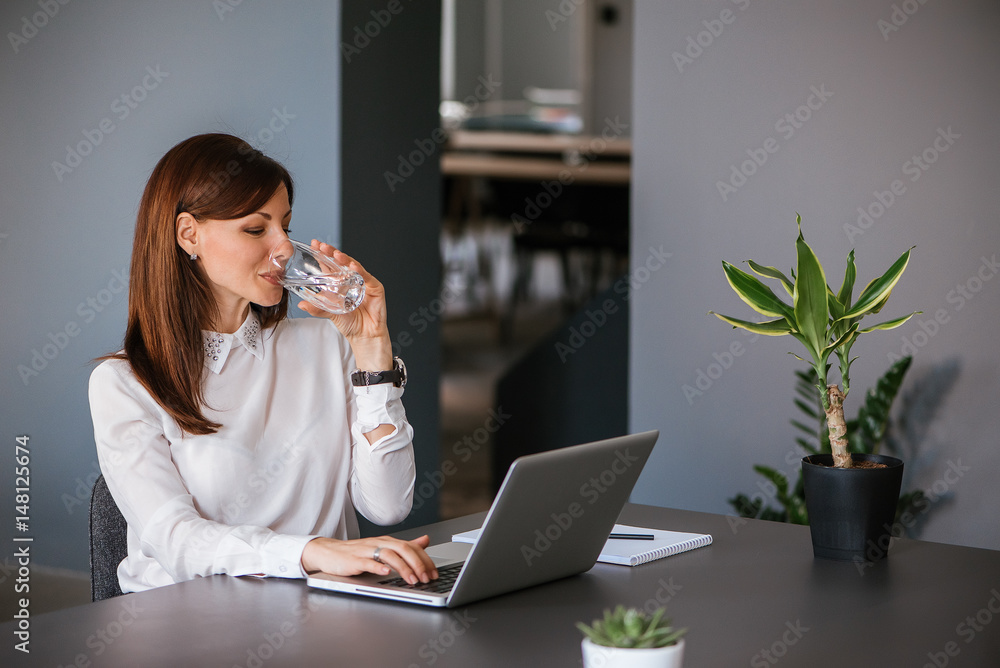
541	47
611	46
888	97
470	46
64	239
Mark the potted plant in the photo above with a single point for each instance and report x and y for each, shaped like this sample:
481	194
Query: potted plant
850	500
629	638
865	433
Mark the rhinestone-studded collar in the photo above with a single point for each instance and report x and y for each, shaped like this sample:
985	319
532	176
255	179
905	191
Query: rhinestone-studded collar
218	346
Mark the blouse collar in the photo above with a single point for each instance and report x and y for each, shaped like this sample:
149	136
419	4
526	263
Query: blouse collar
218	346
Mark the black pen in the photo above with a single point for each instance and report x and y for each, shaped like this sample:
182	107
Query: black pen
632	536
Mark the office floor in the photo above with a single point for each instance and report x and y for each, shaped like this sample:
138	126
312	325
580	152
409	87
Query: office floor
479	276
473	359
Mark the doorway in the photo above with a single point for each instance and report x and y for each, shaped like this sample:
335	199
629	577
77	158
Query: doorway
536	104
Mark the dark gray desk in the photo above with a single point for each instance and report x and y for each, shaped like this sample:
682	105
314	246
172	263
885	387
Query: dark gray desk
756	590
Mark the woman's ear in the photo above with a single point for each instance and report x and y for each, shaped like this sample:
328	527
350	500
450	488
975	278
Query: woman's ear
187	232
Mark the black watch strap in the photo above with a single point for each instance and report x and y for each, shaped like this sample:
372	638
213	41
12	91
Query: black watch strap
396	375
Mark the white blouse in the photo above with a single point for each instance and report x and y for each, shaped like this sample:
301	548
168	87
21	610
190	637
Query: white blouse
290	462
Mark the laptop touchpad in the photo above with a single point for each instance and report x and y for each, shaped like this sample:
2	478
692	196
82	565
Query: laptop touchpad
446	553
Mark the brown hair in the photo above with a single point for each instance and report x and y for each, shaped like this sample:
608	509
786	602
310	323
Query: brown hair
210	176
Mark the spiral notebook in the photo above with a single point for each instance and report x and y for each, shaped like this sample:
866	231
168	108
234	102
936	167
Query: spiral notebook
632	552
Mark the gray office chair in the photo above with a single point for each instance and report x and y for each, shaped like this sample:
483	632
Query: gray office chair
108	542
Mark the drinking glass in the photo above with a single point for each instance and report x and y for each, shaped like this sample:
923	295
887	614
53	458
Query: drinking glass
316	277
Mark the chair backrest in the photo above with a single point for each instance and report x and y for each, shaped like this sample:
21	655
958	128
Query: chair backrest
108	542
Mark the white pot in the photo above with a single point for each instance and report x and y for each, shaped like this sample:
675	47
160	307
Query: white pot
599	656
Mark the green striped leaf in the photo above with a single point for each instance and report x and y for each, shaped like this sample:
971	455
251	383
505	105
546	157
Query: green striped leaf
836	308
847	287
757	296
767	328
878	290
810	301
880	304
772	272
801	339
891	324
852	332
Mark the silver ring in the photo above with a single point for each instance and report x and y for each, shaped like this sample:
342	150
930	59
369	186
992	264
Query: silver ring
378	550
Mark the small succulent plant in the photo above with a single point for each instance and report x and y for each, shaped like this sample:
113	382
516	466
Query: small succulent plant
632	628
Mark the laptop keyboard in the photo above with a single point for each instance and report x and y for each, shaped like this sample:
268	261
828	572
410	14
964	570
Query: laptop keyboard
446	580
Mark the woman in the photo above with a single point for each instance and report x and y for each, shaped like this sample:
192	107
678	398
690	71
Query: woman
231	437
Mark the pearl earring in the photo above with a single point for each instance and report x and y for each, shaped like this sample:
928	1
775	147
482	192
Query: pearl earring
194	256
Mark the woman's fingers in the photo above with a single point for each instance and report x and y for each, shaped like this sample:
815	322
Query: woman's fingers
422	543
392	558
313	310
344	260
407	558
369	319
351	557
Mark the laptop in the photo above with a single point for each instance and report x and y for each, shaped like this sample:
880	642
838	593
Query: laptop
550	520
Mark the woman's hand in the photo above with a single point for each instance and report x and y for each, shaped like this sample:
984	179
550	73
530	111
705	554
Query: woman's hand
353	557
366	327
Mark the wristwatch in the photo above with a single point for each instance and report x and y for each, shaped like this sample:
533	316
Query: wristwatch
396	375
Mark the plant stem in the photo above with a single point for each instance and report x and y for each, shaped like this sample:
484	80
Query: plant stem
837	426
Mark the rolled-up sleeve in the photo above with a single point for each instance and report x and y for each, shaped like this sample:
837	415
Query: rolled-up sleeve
382	473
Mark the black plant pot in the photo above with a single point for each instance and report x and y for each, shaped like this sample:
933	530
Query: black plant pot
851	511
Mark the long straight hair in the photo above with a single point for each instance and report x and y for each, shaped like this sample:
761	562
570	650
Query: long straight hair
210	176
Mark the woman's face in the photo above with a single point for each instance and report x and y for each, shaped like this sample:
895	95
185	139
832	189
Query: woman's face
233	255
